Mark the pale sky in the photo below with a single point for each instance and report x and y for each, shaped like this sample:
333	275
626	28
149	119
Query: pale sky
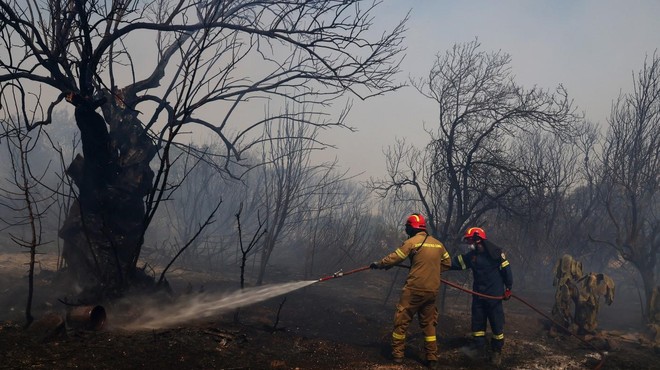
592	47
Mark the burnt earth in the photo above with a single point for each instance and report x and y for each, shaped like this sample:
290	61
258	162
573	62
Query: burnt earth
338	324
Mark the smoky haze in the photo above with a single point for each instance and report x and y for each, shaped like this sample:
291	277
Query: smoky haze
334	221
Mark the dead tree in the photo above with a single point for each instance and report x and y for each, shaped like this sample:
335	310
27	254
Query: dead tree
467	169
346	235
630	179
289	180
337	228
197	185
131	109
254	242
549	210
23	193
245	250
200	229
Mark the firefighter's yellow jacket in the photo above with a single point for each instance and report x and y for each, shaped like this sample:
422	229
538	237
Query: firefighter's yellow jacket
428	258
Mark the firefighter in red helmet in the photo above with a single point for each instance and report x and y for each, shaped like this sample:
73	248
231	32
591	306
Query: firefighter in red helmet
428	258
491	276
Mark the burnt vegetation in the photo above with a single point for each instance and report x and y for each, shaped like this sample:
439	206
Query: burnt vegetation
168	148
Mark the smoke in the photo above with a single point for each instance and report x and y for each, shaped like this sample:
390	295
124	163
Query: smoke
207	305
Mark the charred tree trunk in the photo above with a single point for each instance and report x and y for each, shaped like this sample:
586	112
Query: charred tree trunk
104	228
649	281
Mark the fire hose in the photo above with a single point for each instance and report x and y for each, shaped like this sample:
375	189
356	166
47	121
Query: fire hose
341	273
521	300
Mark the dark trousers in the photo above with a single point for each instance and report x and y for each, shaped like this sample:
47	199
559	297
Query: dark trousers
483	311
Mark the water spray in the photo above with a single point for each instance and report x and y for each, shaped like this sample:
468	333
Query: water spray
208	305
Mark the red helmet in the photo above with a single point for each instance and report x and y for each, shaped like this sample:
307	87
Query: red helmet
416	221
475	232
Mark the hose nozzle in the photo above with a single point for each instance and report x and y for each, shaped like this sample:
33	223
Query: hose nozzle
341	273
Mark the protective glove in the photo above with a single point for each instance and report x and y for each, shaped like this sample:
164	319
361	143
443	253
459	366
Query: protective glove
375	266
507	294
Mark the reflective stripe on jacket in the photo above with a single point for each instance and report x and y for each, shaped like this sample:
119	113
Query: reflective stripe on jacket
428	258
491	275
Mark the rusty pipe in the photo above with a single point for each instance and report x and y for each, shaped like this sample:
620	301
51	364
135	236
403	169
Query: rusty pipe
86	317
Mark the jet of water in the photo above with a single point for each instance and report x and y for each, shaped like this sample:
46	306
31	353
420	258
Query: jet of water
207	305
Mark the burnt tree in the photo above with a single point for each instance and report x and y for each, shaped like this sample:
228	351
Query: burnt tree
24	200
106	221
630	178
133	95
467	169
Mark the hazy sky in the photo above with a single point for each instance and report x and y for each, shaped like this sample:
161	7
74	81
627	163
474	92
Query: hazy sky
591	47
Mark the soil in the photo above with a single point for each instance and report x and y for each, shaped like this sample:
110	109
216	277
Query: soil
342	323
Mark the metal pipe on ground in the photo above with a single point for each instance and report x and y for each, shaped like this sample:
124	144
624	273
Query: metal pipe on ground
86	317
